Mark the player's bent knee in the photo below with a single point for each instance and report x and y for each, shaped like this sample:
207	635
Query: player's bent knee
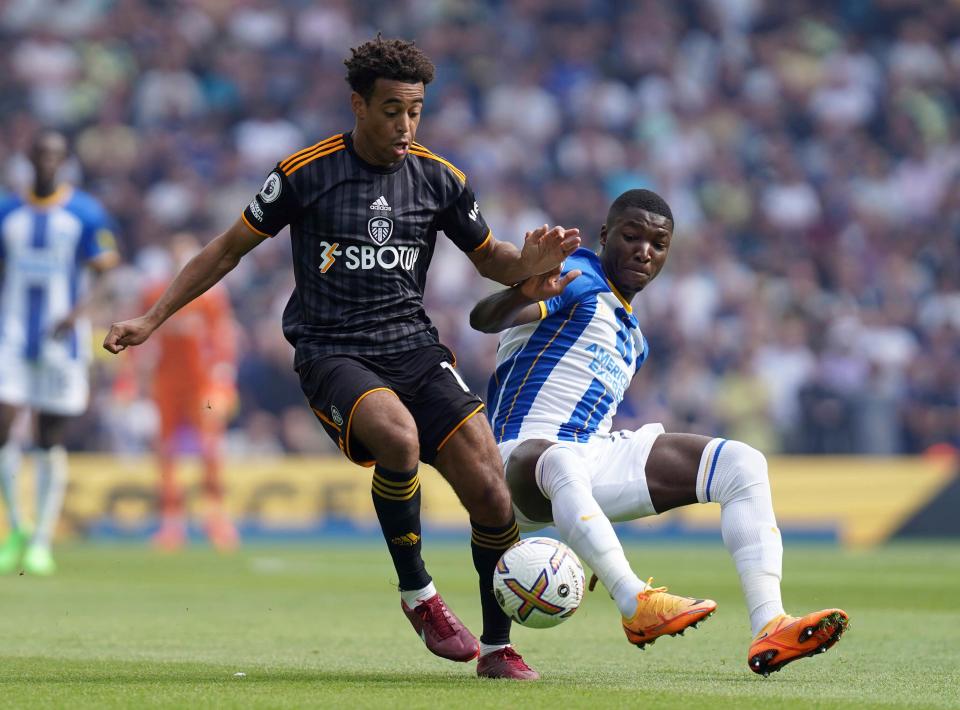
751	461
748	472
396	447
520	469
490	504
559	466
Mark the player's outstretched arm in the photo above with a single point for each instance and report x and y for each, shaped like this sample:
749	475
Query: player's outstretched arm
519	304
543	250
213	262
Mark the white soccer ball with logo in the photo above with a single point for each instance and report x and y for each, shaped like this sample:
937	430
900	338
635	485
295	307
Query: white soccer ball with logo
539	582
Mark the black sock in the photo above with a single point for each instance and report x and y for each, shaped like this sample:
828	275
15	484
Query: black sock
488	544
396	498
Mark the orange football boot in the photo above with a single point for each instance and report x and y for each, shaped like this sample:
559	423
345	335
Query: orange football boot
787	638
659	613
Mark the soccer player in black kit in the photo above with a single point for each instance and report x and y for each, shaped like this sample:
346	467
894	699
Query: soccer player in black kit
364	208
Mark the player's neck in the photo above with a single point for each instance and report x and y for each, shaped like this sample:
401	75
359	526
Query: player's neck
43	188
624	294
361	149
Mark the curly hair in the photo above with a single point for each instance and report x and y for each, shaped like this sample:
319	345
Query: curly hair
382	58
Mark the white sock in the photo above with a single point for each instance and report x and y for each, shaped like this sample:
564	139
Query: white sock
735	476
51	486
582	524
9	469
486	648
412	597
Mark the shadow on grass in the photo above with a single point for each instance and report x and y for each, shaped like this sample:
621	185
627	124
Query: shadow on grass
43	670
48	671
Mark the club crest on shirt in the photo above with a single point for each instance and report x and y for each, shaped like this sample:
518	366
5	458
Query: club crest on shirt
380	229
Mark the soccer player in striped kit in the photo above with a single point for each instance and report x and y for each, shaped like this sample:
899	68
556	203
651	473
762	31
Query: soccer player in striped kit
570	347
51	241
364	208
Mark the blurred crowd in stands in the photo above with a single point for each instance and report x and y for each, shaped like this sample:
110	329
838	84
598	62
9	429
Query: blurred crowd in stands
810	152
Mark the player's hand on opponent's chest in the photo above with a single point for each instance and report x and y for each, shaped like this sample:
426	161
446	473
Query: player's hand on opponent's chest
545	286
544	249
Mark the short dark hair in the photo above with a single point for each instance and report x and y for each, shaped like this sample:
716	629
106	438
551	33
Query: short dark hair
643	199
49	132
381	58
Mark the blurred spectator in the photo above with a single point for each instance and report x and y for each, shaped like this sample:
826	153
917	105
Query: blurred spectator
810	152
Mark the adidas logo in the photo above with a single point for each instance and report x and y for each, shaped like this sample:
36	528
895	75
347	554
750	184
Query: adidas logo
381	204
408	540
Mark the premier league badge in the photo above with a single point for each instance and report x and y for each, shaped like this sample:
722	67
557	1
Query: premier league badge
380	229
271	188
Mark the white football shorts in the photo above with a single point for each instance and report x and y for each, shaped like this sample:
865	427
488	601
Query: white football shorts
54	386
616	464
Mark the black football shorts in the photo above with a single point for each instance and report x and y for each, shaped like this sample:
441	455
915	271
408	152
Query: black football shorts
423	379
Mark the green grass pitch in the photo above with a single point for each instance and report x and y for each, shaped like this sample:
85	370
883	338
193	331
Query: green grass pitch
319	625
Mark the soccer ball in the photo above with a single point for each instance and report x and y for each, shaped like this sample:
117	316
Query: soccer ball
538	582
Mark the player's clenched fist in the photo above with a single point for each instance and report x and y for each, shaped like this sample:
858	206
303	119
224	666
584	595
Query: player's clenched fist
126	333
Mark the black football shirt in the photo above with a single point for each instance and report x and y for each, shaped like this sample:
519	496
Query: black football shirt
362	239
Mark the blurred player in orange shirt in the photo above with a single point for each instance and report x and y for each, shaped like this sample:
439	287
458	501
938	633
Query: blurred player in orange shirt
194	387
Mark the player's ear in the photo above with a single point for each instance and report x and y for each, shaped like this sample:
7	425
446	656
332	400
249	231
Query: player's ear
358	104
603	235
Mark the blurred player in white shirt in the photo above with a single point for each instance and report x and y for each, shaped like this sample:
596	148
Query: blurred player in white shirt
51	240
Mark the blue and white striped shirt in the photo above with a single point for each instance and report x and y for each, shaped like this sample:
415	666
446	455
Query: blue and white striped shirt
45	245
563	377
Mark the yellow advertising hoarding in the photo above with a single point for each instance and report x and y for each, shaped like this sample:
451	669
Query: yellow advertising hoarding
857	501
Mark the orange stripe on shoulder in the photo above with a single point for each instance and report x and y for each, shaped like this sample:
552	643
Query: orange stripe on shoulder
310	157
423	153
291	159
420	151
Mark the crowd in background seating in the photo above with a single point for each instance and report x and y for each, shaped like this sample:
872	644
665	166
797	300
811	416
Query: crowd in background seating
810	153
